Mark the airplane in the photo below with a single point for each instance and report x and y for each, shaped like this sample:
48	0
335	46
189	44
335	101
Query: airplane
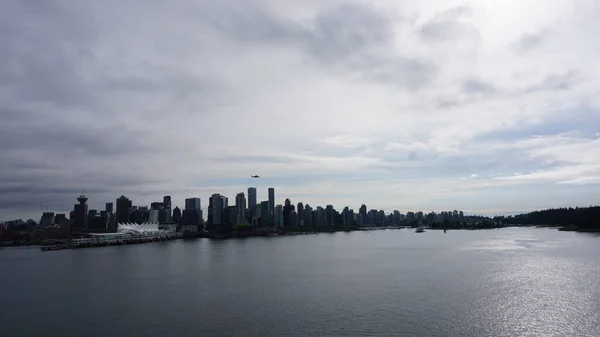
254	176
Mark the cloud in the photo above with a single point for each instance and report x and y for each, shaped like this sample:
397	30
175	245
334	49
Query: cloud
339	102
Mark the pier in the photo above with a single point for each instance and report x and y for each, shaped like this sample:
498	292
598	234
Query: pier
112	240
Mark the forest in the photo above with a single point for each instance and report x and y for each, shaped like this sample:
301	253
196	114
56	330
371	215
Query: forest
584	218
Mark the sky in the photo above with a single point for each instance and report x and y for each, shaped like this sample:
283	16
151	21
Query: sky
489	107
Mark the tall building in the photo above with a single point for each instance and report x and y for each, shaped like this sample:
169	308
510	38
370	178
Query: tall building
80	214
167	207
218	204
265	215
300	213
153	215
363	212
240	208
47	219
109	207
123	206
192	203
307	216
330	216
287	209
278	216
192	214
252	201
271	203
176	214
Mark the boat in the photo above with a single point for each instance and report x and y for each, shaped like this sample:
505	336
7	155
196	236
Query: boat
420	230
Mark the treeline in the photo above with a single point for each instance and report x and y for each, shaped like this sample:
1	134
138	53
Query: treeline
580	217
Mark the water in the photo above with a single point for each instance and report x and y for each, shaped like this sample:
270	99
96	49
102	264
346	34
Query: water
508	282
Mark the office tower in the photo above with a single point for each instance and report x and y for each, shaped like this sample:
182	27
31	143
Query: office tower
287	208
252	201
80	214
271	202
47	219
300	213
307	216
176	214
167	207
123	206
192	203
240	208
278	216
265	218
109	207
218	204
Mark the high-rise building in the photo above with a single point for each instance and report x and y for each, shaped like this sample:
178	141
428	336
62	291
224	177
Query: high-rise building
265	218
271	203
109	207
278	216
230	218
307	216
123	206
287	208
218	204
192	203
330	215
47	219
300	213
176	214
363	212
240	208
252	201
153	215
167	207
80	214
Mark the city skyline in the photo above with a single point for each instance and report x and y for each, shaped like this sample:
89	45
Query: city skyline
194	202
431	105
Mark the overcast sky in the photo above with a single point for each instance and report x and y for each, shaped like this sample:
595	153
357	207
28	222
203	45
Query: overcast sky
485	106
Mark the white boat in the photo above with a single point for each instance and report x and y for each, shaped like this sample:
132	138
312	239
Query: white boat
420	230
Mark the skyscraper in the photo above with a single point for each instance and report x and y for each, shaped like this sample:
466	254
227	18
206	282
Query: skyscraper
271	202
109	207
278	216
240	208
287	209
252	201
300	212
218	204
80	214
167	206
192	213
192	203
265	216
123	206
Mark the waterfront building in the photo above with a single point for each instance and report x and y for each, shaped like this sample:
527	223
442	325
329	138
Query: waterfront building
80	214
167	207
265	215
278	216
123	206
252	202
240	205
271	204
192	203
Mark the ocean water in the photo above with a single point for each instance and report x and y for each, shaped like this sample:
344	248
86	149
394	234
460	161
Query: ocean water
504	282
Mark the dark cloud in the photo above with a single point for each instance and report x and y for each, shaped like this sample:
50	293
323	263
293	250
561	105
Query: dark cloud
351	38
